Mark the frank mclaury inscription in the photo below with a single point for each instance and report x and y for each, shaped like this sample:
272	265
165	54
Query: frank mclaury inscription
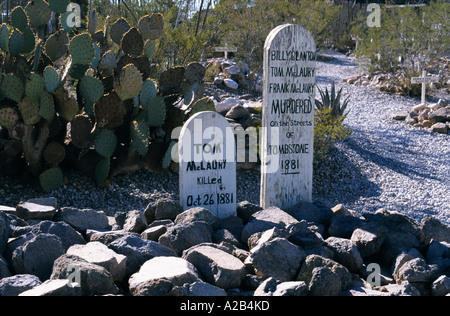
288	117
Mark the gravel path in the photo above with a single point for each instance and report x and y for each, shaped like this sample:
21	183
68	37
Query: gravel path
384	164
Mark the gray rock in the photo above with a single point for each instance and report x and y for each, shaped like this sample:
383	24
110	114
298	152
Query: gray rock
277	258
68	235
440	128
433	229
4	235
368	243
267	287
159	275
153	233
441	115
324	282
439	253
417	271
258	239
231	84
138	251
109	237
293	288
217	266
48	201
315	261
28	211
135	222
198	288
402	259
234	225
53	288
268	219
14	285
183	236
4	268
441	286
94	279
346	253
82	220
403	289
307	238
224	235
197	214
246	209
312	213
343	225
97	253
163	209
37	255
237	113
400	116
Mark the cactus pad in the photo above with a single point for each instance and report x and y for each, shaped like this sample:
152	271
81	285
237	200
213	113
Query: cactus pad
195	72
151	27
4	38
16	43
93	22
171	80
56	45
148	92
203	105
105	143
140	136
47	106
129	83
109	111
81	48
59	6
29	41
102	171
12	88
156	112
34	86
118	29
132	43
54	153
149	48
29	111
19	18
52	179
80	131
77	71
91	89
107	64
38	12
167	159
51	78
66	106
8	117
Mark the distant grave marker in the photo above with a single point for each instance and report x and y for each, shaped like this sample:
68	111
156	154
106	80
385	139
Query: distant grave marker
288	117
424	80
207	164
226	50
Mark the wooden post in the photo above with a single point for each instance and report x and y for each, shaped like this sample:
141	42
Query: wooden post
287	140
424	80
226	50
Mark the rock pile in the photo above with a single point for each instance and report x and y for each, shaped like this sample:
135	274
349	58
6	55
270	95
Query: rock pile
435	117
309	250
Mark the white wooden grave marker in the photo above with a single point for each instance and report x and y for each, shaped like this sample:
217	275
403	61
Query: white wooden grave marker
207	163
288	117
226	50
424	80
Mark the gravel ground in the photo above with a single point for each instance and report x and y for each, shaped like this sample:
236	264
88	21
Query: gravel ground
385	163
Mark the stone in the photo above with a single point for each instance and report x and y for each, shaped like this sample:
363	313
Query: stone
346	253
37	255
109	237
324	282
417	271
197	214
315	261
4	232
68	235
53	288
225	236
268	219
138	251
82	220
218	80
368	243
292	288
343	225
307	238
440	128
19	283
237	113
433	229
402	259
439	253
97	253
207	164
229	83
277	258
198	288
159	275
183	236
226	105
153	233
135	222
217	266
312	213
29	211
245	210
403	289
4	268
441	286
399	116
93	279
287	149
441	115
47	201
267	287
163	208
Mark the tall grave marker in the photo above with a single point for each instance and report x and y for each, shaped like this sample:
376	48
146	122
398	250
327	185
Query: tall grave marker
288	117
207	163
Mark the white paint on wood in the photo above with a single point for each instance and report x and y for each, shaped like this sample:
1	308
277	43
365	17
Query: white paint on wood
288	117
227	49
208	165
424	80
